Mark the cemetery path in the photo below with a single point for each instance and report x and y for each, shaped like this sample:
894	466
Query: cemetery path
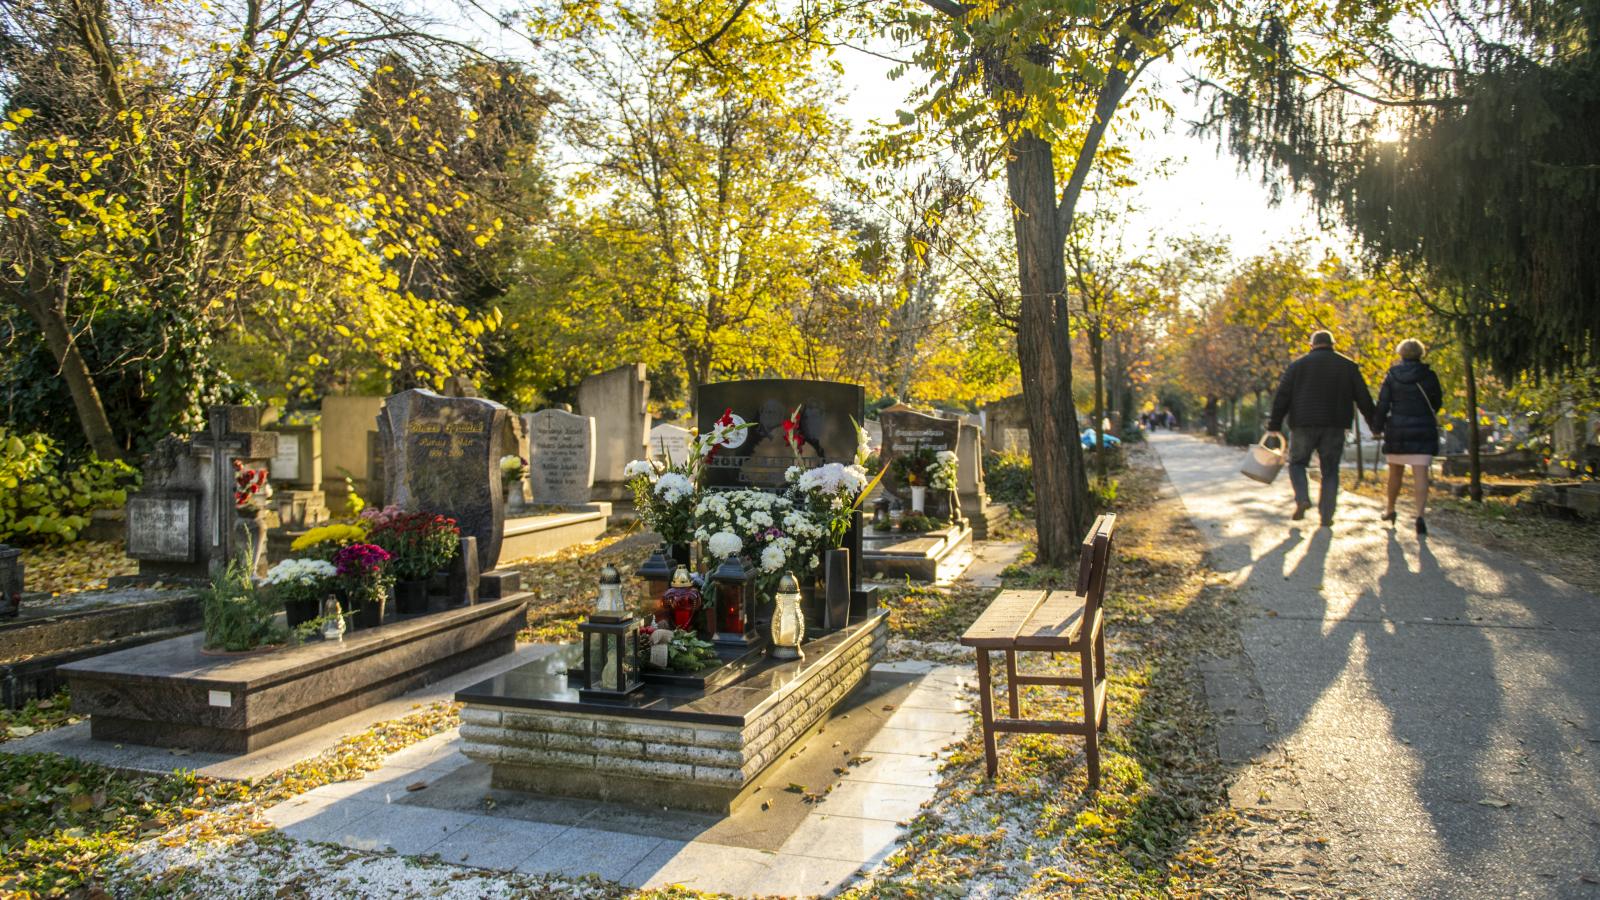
1433	705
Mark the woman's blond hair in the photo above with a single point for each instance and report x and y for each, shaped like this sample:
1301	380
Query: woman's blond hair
1411	348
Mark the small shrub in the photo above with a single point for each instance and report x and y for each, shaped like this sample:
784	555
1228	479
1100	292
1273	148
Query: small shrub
237	614
1009	478
917	523
1105	494
45	498
1242	434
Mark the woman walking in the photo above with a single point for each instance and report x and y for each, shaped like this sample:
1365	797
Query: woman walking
1407	417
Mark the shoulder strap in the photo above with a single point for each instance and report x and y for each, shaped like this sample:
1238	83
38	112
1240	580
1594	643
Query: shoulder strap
1425	400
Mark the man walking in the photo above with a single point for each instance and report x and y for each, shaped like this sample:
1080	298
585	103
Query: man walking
1316	393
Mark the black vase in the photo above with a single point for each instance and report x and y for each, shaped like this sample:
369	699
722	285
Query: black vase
298	612
837	587
362	609
679	554
411	597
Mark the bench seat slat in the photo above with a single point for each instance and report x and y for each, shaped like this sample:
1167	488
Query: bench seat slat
1056	624
996	628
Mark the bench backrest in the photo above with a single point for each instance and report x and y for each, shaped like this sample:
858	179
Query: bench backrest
1094	561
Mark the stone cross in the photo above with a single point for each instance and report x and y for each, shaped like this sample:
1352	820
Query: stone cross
232	432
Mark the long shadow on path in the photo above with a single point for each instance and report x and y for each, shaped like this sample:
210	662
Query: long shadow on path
1440	702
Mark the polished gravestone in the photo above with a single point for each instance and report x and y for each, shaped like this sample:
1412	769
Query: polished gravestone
662	746
826	415
936	555
442	455
173	693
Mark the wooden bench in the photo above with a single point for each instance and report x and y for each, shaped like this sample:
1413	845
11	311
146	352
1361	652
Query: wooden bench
1054	621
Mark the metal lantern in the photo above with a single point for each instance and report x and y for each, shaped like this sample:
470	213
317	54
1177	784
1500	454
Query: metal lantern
657	575
880	514
610	645
609	605
788	621
735	586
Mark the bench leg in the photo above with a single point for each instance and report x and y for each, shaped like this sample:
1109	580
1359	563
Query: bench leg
1011	681
1091	738
1100	672
987	712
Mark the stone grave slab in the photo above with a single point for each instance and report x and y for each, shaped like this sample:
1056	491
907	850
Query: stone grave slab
618	400
174	694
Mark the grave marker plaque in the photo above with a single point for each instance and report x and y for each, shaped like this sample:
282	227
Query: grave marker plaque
828	410
163	527
560	456
442	455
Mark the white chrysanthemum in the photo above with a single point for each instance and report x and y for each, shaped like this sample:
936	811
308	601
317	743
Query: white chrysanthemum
301	571
724	544
639	467
772	558
673	487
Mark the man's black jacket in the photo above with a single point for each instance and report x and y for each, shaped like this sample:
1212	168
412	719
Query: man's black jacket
1318	391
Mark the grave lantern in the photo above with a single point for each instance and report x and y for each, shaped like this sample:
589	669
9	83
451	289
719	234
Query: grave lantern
788	621
610	645
735	584
880	514
657	575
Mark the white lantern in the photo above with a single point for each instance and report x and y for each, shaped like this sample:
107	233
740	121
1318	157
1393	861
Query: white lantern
788	622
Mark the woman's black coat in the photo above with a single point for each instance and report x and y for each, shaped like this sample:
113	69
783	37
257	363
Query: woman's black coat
1407	407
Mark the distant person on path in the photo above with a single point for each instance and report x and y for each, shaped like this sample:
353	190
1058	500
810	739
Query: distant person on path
1316	394
1407	417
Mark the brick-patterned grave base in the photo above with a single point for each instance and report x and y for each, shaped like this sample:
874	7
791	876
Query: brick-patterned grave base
667	746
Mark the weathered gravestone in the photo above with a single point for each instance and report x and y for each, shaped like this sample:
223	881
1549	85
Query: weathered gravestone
560	456
908	431
670	443
10	580
1005	424
184	522
442	455
618	400
969	455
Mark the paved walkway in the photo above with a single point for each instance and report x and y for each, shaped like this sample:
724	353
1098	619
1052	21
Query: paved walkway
1436	706
429	799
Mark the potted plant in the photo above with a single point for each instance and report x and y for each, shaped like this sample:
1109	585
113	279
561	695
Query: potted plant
365	578
419	544
300	585
324	541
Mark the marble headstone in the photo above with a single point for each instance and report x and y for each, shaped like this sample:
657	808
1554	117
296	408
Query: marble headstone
618	400
969	455
670	443
906	431
560	456
349	437
442	455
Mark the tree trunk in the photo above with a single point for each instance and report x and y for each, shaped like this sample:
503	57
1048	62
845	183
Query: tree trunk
74	370
1097	353
1061	510
1209	416
1474	461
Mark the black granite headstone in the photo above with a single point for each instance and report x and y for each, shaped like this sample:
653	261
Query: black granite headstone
442	455
906	431
829	412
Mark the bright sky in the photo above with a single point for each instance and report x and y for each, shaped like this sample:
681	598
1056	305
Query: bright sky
1204	192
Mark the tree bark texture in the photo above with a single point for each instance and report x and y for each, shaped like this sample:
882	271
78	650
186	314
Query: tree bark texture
1044	350
74	370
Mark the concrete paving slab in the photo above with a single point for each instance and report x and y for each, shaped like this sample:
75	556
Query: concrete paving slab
493	844
874	800
912	742
405	830
846	838
590	851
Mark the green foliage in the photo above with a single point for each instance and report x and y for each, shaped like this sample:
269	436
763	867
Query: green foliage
238	615
917	523
1009	478
1242	433
688	653
45	498
1105	493
912	468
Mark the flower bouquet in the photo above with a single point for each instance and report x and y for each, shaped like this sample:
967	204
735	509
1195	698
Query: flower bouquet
365	578
912	470
324	541
512	468
419	544
300	585
250	486
767	529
